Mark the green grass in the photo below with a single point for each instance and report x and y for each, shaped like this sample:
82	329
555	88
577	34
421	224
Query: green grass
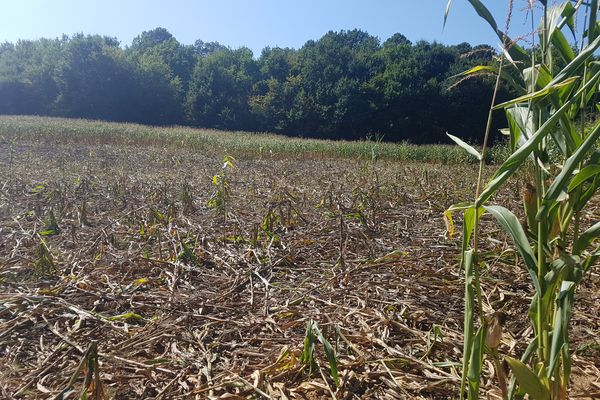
238	143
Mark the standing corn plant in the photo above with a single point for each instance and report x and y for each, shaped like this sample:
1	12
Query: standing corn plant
558	88
220	197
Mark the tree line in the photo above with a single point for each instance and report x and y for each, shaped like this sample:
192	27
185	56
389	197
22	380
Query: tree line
345	85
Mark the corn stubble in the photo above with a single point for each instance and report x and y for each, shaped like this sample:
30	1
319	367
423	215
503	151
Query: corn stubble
184	302
553	131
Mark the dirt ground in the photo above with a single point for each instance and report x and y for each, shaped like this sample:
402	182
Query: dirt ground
192	290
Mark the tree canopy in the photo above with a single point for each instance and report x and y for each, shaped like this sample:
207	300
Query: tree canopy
345	85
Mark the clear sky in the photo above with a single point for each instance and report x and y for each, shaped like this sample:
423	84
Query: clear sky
253	23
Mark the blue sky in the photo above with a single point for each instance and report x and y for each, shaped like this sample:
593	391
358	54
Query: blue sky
253	23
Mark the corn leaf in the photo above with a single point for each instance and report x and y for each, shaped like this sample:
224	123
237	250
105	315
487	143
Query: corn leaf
516	52
512	226
469	224
538	76
484	13
306	357
562	45
508	77
571	69
330	354
528	381
470	149
513	131
449	221
529	351
587	194
476	364
517	158
594	29
313	333
593	68
467	261
560	15
49	232
520	122
583	175
566	363
478	68
567	138
586	238
539	94
557	267
561	325
559	184
446	12
465	207
462	206
127	316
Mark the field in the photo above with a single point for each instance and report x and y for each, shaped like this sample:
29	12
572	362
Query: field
196	274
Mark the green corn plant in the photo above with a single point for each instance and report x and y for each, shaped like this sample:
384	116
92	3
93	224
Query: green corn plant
557	88
187	255
314	334
51	225
43	264
218	200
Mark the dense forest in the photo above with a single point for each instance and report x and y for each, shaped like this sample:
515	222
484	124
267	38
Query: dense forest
347	84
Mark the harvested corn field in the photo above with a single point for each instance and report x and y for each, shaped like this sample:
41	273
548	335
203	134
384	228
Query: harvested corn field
144	271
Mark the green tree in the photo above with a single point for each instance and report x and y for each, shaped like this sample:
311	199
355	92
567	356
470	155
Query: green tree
93	79
158	94
27	70
220	88
203	49
166	67
335	73
149	39
160	43
274	93
344	85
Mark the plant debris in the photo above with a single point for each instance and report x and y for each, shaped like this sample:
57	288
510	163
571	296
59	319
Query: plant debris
151	293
